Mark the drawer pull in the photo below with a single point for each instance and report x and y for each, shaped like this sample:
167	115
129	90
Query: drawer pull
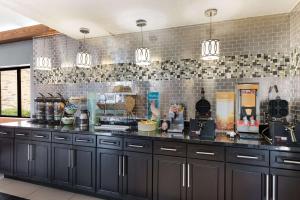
20	134
167	149
107	142
274	187
60	138
39	136
81	140
291	162
3	133
267	186
205	153
248	157
183	175
120	165
135	146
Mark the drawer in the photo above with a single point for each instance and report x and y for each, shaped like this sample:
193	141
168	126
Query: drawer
247	156
170	148
110	142
6	132
206	152
285	160
63	138
138	145
22	133
43	136
84	140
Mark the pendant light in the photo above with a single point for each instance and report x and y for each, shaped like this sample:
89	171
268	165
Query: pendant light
83	58
142	54
43	62
210	47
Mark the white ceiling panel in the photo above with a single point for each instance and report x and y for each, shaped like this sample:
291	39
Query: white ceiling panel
105	17
12	20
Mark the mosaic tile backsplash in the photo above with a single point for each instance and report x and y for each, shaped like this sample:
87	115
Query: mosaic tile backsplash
256	50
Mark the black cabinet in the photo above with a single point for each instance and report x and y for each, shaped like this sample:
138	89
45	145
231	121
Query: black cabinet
74	166
205	180
169	178
40	161
137	179
6	156
21	158
109	172
285	184
83	169
246	182
61	164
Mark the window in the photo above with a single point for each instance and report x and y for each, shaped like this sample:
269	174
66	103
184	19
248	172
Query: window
15	92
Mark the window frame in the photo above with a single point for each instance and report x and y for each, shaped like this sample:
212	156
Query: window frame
19	91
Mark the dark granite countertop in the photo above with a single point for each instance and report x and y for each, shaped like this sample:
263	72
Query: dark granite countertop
220	140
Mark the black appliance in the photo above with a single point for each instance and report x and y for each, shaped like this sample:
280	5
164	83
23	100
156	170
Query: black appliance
282	134
205	129
278	107
203	126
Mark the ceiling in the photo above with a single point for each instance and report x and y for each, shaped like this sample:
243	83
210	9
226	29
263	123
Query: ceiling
105	17
12	20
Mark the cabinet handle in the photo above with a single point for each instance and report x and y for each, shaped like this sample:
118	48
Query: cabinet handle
120	165
123	163
188	176
3	133
81	140
28	152
72	158
205	153
20	134
183	175
167	149
248	157
69	159
267	186
39	136
107	142
60	138
291	162
274	187
135	146
31	152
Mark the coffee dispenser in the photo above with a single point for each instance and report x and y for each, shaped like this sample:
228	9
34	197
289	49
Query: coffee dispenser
40	106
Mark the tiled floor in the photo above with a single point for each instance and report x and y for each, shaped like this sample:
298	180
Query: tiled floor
37	192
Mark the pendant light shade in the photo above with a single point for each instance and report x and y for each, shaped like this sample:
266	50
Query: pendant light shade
83	58
142	54
210	49
43	62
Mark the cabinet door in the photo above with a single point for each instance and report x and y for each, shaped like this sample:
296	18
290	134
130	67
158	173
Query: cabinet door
61	164
109	172
205	180
245	182
285	184
21	158
40	161
6	155
169	178
84	159
137	180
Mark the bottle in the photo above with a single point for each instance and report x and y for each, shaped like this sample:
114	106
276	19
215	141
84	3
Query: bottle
164	125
